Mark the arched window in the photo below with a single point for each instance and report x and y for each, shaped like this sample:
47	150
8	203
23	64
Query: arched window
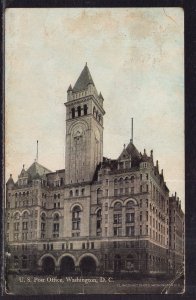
99	222
79	111
25	215
54	196
130	205
85	109
115	181
16	216
43	217
56	225
132	179
76	220
71	193
59	196
73	113
82	191
126	180
117	206
99	196
77	193
121	180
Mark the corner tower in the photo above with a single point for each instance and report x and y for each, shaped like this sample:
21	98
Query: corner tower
84	129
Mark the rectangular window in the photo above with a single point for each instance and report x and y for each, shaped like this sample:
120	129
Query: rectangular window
141	216
107	181
140	188
115	192
132	190
146	176
106	193
83	245
106	218
92	245
130	231
106	231
140	202
147	188
140	229
117	218
146	202
147	229
98	224
51	246
117	231
140	176
55	227
130	217
146	215
71	246
63	246
24	225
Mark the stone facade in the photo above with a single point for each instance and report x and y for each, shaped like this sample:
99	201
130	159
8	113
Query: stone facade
98	215
176	234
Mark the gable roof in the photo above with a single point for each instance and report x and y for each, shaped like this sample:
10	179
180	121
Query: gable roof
84	80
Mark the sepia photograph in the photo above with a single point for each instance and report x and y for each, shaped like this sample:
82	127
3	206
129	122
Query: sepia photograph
94	151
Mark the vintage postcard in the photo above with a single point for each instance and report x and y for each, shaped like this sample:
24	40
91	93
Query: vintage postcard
94	151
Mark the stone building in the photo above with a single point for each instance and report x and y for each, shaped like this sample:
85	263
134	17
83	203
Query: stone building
176	234
98	215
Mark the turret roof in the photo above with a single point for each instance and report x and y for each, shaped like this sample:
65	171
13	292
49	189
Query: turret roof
37	169
84	80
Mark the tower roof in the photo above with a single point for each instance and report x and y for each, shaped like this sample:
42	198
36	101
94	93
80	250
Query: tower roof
84	80
36	169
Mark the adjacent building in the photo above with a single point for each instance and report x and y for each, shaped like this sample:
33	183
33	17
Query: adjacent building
98	215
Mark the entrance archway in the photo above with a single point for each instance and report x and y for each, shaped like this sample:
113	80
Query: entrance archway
67	265
87	265
48	265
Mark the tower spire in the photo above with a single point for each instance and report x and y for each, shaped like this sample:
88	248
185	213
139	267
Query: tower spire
37	153
131	130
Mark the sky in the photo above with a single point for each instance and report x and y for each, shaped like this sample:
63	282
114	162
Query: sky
136	59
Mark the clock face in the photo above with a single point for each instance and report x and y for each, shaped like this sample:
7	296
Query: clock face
78	131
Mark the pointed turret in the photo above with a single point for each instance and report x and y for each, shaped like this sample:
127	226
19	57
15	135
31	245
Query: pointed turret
69	88
10	183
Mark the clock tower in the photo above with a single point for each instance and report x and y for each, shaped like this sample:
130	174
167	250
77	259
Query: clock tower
84	129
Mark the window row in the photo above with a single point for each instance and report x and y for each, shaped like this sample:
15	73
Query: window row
77	192
22	194
79	111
